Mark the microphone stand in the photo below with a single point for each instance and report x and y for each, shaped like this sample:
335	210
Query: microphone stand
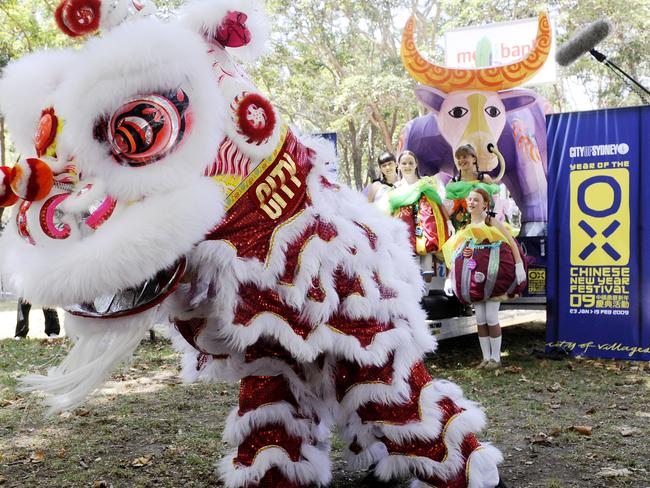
638	87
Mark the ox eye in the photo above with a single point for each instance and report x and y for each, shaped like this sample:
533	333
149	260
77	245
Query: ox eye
458	112
146	128
492	111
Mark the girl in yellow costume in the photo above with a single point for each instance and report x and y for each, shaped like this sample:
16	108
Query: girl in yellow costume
486	267
416	201
469	177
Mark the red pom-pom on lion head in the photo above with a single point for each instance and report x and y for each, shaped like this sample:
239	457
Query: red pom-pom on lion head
78	17
255	117
232	32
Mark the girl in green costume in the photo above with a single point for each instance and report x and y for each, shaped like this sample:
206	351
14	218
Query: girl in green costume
416	201
469	177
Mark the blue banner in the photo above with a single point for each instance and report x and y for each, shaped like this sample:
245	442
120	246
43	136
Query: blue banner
598	271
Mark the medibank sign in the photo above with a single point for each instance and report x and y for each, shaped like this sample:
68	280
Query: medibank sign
497	44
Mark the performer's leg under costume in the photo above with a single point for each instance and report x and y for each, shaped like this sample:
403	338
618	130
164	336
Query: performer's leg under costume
52	325
393	416
22	321
281	427
407	424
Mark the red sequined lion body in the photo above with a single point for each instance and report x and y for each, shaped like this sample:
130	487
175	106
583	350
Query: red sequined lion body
165	183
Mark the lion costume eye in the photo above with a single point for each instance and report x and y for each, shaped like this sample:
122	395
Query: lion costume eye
146	128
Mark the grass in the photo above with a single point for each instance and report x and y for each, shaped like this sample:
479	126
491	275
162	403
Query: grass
148	429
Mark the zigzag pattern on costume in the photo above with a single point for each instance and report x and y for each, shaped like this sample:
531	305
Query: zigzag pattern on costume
273	275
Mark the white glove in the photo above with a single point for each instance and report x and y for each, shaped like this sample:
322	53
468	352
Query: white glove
450	228
520	273
449	287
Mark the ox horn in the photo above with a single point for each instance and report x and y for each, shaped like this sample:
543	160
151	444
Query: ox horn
489	79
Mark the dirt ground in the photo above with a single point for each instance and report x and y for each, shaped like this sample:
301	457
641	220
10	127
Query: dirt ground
568	423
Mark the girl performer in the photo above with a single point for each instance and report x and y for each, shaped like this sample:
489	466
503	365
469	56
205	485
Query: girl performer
469	177
486	267
416	201
388	170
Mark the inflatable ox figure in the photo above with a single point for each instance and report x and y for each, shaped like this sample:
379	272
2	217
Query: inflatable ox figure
483	107
157	181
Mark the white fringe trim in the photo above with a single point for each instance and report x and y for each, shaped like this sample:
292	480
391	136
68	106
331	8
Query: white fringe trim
100	345
396	465
482	467
374	453
314	468
238	427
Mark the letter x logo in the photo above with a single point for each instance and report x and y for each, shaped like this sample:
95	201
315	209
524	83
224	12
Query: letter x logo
611	227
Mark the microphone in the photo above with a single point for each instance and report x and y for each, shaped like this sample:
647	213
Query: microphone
582	42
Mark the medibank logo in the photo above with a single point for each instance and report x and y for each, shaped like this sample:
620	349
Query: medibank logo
502	53
598	150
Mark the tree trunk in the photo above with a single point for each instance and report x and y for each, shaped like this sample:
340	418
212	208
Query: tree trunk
372	157
356	156
346	165
378	120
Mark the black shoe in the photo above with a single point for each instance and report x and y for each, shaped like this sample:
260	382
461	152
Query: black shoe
371	481
501	484
554	354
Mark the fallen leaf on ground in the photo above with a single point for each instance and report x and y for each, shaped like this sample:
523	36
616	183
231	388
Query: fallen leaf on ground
643	414
633	381
582	429
541	439
100	484
627	431
554	387
82	412
37	457
141	461
3	480
591	411
555	406
513	369
6	403
613	473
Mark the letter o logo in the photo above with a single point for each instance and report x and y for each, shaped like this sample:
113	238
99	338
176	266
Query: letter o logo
584	186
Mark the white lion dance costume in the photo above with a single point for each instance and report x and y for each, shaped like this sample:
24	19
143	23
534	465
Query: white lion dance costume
157	179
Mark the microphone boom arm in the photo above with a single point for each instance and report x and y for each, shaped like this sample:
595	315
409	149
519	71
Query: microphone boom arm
600	57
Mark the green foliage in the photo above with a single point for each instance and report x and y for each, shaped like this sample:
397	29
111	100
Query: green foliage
27	25
335	66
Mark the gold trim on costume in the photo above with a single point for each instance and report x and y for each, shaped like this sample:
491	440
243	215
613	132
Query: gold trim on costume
254	175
